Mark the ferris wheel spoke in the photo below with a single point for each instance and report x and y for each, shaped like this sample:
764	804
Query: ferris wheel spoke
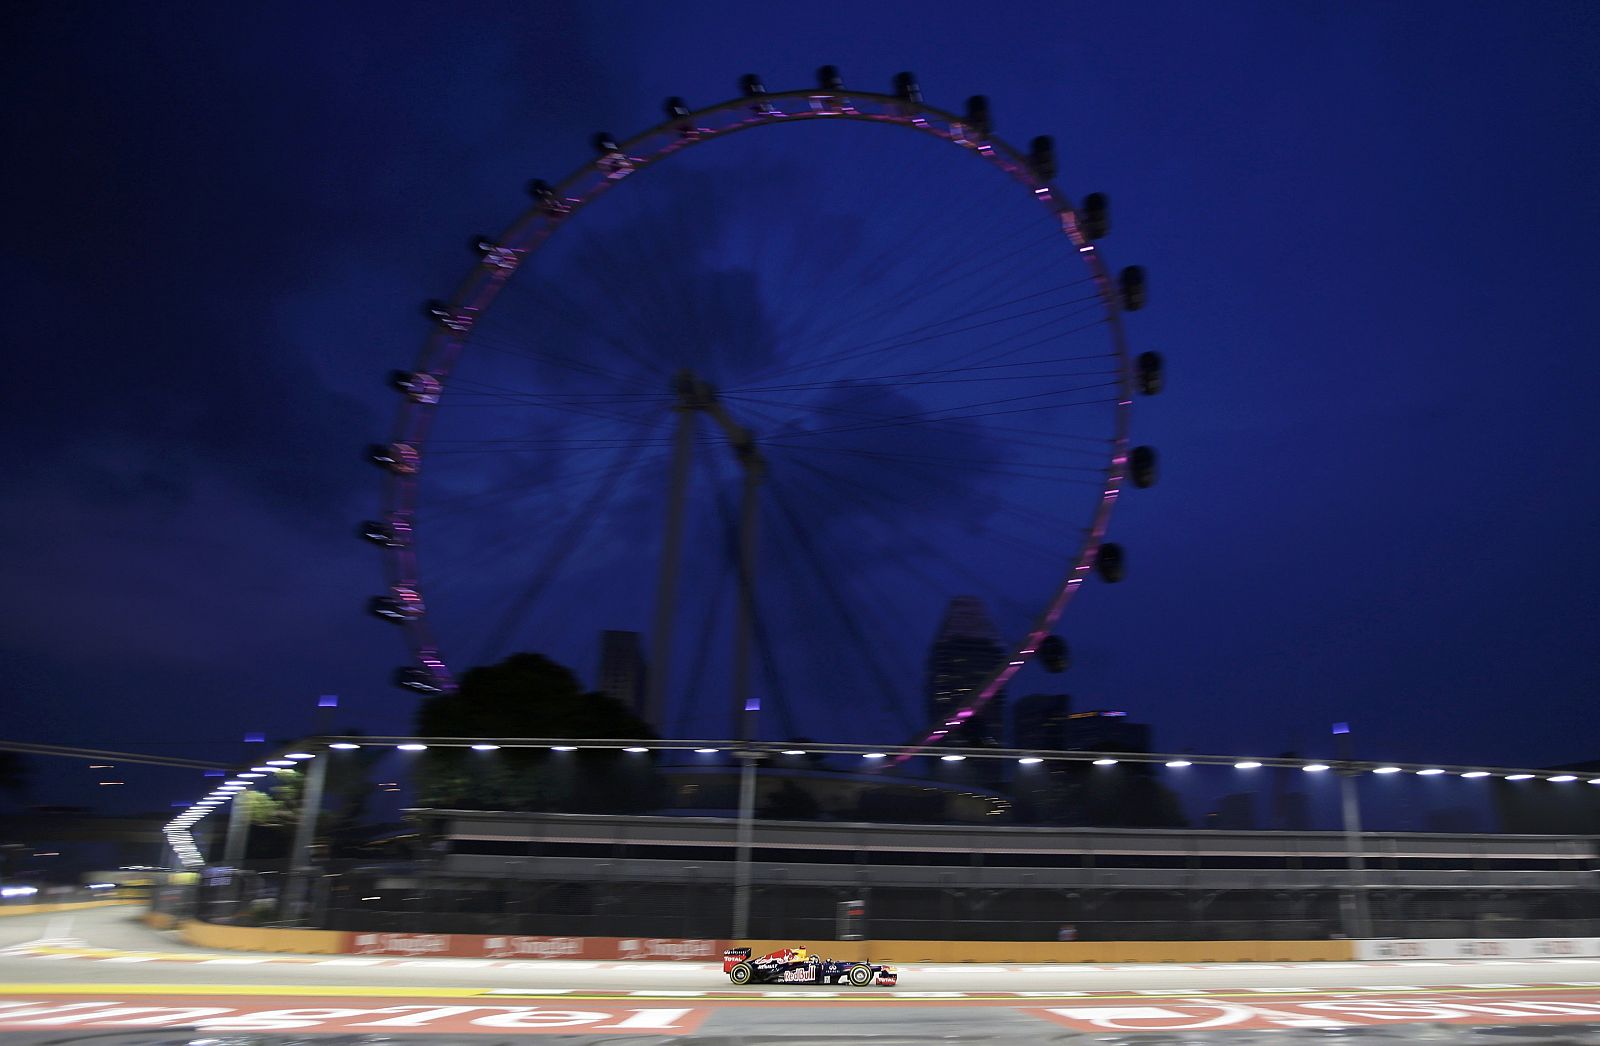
570	538
866	495
951	250
859	352
582	324
1001	278
868	654
936	589
763	649
893	291
1053	442
511	344
1094	447
1034	469
945	257
932	375
966	411
879	311
898	339
621	299
533	500
844	285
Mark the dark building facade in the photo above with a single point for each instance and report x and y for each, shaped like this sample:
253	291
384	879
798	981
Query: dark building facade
623	674
1103	730
1040	720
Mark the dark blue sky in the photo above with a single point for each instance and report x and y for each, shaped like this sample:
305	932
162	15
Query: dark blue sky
1370	232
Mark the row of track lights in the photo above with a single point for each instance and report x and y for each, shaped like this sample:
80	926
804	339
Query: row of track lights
178	831
1027	760
182	841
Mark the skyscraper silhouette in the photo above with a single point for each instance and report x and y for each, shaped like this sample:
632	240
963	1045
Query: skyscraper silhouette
965	652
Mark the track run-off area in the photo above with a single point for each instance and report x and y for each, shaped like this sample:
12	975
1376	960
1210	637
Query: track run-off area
102	970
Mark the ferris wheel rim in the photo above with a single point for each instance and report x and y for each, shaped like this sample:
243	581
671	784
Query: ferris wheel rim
476	293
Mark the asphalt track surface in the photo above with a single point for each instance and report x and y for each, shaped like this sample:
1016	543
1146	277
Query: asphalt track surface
76	976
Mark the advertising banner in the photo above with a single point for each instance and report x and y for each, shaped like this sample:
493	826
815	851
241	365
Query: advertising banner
1478	948
511	946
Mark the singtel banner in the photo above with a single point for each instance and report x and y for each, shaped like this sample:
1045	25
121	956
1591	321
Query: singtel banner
485	946
1479	948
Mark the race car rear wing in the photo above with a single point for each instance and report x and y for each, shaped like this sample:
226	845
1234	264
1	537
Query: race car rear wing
733	957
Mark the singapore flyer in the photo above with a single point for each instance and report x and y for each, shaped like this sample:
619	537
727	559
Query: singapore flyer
779	405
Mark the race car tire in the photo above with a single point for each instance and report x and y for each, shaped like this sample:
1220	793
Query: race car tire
741	973
860	975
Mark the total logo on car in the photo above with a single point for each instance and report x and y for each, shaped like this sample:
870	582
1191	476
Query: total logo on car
798	966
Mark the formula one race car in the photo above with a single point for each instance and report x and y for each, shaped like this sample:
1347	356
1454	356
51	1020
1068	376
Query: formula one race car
799	966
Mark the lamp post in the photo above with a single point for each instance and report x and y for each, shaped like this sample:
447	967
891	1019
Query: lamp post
301	868
1353	908
233	849
741	861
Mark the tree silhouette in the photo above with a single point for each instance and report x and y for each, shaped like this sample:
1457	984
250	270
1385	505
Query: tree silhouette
13	773
529	695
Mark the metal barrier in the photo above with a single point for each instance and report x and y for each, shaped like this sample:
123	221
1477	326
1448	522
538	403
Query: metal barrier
596	907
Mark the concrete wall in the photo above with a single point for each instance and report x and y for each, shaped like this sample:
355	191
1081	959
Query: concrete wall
64	906
262	938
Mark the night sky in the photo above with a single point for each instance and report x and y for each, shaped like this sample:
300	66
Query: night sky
1370	237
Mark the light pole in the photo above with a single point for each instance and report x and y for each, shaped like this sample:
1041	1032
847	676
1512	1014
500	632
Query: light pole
301	868
741	860
1356	917
233	849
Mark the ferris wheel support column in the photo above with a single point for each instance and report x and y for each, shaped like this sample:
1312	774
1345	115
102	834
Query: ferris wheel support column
745	707
671	550
744	447
1354	902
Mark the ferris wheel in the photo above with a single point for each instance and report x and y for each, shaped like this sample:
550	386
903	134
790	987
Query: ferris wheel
801	385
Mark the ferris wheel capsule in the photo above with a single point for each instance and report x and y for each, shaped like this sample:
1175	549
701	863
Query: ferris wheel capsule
750	86
1054	655
828	78
906	87
402	605
1142	467
394	534
418	680
420	387
1094	217
400	458
545	196
1149	373
1042	158
1109	563
387	608
977	119
1131	282
678	113
612	161
451	319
